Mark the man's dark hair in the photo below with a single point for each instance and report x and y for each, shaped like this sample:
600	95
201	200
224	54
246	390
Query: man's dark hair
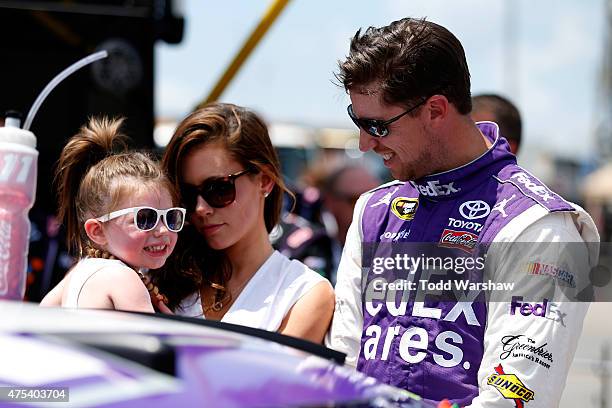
504	112
411	59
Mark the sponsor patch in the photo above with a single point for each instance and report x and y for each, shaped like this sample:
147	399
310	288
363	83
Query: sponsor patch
471	225
404	208
528	309
537	268
466	241
501	206
386	199
473	210
555	314
523	347
530	183
510	387
434	188
395	236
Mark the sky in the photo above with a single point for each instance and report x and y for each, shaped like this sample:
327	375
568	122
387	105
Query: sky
544	55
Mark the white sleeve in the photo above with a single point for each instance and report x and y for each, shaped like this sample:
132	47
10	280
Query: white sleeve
527	352
347	325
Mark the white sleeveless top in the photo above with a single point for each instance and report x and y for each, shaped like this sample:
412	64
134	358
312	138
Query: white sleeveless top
267	297
80	274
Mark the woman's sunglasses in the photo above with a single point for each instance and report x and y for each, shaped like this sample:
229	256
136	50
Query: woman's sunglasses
218	192
147	218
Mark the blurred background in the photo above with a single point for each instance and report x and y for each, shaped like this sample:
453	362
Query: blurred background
552	58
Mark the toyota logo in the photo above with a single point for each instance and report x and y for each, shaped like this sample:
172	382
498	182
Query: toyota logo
473	210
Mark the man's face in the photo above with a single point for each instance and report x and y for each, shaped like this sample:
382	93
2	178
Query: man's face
340	201
408	150
483	113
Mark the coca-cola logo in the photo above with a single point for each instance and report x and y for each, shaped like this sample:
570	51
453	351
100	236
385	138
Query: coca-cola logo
463	240
521	346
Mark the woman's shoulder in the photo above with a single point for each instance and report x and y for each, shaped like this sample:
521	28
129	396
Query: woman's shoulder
295	269
296	277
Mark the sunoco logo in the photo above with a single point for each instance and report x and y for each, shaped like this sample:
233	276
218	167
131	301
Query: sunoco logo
404	208
510	387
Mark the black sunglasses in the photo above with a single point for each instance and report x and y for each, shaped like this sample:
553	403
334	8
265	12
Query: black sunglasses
218	192
377	127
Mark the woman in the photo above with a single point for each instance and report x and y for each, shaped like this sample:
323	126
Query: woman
222	161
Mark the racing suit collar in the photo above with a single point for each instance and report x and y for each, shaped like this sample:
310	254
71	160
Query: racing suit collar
452	183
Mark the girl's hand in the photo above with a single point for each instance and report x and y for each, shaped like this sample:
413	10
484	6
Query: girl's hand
158	300
161	306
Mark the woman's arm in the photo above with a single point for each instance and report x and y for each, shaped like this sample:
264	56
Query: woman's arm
311	315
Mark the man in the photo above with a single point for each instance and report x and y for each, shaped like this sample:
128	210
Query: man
299	236
459	189
340	191
496	108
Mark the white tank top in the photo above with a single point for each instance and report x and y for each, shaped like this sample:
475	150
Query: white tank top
266	299
80	274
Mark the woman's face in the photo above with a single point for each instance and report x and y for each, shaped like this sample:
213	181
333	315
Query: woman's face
239	220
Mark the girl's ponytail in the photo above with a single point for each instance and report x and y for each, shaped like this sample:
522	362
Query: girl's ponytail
94	142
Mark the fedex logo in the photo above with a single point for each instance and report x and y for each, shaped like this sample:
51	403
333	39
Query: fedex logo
527	309
535	188
434	189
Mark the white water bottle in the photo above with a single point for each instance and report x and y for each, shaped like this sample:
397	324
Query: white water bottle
18	165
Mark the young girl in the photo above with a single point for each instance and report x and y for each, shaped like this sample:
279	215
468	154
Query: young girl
222	160
119	213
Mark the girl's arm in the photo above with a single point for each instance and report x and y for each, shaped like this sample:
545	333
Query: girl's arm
127	291
310	317
54	297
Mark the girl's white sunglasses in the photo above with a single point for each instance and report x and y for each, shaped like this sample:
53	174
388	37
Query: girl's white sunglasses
146	218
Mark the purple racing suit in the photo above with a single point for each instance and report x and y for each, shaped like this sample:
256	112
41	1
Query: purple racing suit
475	352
